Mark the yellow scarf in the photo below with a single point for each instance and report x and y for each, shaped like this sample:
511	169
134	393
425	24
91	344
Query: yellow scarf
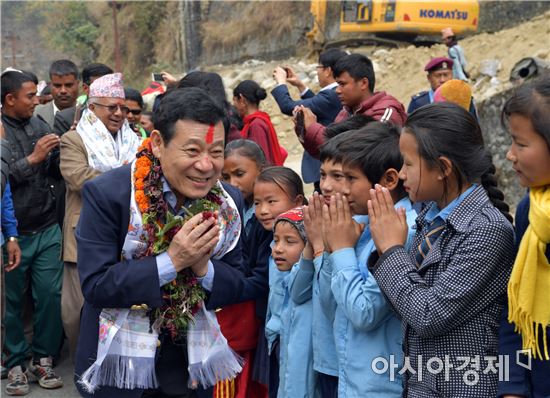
529	286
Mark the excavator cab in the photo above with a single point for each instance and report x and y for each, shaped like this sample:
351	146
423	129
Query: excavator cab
392	18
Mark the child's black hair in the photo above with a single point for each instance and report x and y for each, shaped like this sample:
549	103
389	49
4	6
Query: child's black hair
286	179
446	129
353	123
374	149
532	100
330	150
247	148
250	90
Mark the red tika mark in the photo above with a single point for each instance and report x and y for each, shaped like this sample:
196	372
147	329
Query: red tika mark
210	134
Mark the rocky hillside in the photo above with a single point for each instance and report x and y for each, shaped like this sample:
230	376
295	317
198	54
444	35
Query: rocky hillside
400	71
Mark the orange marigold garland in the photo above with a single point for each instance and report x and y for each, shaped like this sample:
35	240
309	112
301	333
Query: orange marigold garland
182	297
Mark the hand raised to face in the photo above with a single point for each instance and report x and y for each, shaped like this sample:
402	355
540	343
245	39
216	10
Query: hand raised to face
388	225
340	230
193	242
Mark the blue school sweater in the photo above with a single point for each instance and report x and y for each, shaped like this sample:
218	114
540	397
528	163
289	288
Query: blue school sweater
366	329
296	374
308	285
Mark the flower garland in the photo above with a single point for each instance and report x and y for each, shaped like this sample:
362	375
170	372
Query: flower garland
182	296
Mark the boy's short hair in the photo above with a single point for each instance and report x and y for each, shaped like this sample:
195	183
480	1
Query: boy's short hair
374	149
353	123
358	67
329	151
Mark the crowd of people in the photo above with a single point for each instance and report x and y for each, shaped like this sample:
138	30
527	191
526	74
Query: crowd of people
179	257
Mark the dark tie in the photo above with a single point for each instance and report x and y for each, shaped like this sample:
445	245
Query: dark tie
433	232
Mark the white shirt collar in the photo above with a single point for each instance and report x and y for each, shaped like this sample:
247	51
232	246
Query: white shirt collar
330	86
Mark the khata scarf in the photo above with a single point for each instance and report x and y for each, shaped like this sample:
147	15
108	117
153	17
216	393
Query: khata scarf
529	286
126	343
106	152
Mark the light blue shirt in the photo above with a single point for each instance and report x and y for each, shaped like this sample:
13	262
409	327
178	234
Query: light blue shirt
312	282
365	325
247	216
296	374
431	95
434	211
275	300
165	268
456	53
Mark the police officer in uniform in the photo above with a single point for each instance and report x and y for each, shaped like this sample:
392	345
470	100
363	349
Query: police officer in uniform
439	70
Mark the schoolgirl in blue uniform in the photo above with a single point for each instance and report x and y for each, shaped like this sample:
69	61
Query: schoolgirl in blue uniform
308	284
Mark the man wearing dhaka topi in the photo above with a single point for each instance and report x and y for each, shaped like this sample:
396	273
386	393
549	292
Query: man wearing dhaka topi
156	238
102	141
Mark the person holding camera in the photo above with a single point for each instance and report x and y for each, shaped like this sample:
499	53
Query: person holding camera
325	104
355	76
33	165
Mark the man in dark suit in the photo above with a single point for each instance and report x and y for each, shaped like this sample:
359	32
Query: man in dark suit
189	146
64	86
325	104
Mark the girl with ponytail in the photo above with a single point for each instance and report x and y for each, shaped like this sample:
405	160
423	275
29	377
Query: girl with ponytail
257	124
526	321
450	287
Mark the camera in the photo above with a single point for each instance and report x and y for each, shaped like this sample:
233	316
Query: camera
157	77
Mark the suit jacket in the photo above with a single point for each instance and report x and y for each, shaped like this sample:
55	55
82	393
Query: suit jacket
451	304
111	282
75	171
45	111
64	120
254	285
325	105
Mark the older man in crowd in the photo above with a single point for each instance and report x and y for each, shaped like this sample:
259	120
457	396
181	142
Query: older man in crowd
102	141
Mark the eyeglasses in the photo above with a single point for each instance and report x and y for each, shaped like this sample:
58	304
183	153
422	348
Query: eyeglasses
113	108
134	112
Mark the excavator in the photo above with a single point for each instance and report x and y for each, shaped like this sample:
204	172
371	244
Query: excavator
389	22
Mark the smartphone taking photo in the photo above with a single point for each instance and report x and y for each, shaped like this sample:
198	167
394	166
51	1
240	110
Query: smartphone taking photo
157	77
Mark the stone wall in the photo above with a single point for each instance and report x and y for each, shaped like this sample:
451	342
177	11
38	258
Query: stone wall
497	15
498	141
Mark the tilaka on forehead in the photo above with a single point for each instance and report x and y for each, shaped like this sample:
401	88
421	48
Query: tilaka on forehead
210	134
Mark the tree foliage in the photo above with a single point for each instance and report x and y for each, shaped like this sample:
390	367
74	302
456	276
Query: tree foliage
66	26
